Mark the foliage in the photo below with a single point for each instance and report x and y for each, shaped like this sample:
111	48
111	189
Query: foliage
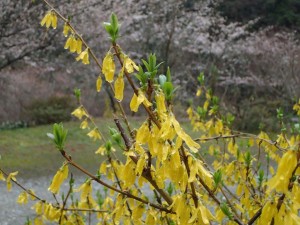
7	125
189	37
36	149
285	13
256	182
50	110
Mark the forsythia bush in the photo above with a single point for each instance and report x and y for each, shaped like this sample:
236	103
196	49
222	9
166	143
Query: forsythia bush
257	182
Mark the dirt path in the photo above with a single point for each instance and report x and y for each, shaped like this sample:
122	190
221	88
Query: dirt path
12	213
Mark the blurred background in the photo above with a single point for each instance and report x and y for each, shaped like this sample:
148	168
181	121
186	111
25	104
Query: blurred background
248	50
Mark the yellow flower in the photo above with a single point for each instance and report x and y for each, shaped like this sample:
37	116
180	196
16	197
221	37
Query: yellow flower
143	133
137	100
79	112
184	136
286	166
134	103
140	165
51	213
67	28
206	104
119	87
219	126
38	221
296	107
86	190
199	92
167	131
32	194
38	207
54	20
2	176
11	176
193	170
99	83
101	150
58	179
130	65
46	20
108	67
94	134
268	212
50	19
68	42
23	198
127	173
79	46
102	168
84	56
73	44
84	124
232	147
137	213
160	103
151	218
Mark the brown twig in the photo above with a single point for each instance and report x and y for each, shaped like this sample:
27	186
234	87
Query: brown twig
86	210
242	135
23	188
255	216
66	199
122	132
185	161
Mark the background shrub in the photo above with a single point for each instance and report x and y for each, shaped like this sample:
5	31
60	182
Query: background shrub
50	110
284	13
9	125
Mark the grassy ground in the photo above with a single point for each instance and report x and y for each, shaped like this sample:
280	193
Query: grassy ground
33	154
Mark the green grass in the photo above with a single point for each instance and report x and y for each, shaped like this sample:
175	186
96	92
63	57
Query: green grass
31	152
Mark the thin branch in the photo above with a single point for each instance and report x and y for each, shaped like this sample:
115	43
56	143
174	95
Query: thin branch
122	132
185	161
242	135
23	188
86	210
255	217
66	199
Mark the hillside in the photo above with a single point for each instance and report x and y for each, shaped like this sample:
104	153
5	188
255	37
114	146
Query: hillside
257	70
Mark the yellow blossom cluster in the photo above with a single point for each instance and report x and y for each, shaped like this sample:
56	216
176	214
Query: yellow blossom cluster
81	113
50	20
73	43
